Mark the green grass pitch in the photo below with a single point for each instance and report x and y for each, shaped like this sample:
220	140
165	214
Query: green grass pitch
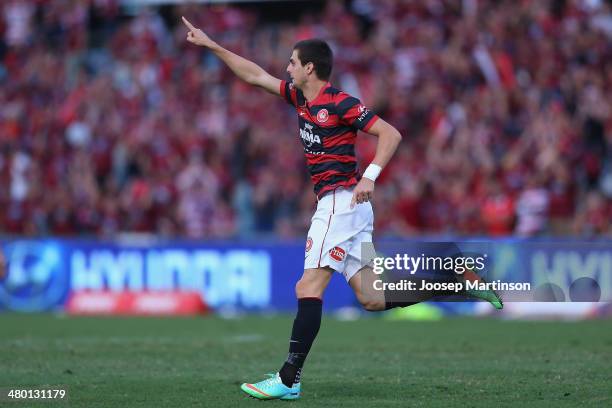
200	362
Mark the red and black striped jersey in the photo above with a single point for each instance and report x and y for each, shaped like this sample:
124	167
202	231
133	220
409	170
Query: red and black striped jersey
328	130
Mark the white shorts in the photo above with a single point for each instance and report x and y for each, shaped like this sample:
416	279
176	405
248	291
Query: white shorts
336	233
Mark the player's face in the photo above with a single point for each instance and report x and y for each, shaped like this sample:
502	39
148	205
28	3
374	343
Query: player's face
297	72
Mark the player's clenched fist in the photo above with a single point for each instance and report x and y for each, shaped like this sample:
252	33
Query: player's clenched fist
364	191
197	36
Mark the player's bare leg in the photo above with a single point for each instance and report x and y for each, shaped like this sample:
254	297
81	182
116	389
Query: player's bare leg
375	300
363	286
286	383
313	282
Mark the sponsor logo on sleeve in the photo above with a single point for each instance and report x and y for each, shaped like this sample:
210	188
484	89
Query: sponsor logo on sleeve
363	112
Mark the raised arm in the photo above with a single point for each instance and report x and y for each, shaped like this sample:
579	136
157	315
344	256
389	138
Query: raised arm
246	70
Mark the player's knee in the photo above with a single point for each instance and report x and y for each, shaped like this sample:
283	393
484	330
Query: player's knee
304	288
299	289
374	306
371	305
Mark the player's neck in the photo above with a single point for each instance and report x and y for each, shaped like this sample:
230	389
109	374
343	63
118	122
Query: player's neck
312	88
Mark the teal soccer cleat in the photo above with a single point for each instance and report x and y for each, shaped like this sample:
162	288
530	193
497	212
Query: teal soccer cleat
296	393
272	388
484	294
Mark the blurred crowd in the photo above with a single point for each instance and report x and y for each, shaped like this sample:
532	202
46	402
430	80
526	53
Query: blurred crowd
111	122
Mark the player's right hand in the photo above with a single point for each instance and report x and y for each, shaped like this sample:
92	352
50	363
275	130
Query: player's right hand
363	192
197	36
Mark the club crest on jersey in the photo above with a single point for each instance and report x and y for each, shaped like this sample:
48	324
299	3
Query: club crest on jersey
337	254
322	115
308	244
308	137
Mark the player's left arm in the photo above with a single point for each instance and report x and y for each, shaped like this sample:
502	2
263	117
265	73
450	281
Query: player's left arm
388	140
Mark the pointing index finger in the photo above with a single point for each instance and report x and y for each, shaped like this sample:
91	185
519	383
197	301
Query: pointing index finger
188	24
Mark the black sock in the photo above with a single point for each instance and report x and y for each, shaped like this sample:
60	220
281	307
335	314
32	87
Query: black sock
298	376
290	374
417	296
305	328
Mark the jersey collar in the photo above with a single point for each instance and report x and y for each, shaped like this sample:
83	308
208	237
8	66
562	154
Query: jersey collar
321	92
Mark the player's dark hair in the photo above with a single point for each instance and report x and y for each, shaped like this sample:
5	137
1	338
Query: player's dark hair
319	53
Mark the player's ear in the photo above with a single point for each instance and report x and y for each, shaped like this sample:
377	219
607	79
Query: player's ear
309	68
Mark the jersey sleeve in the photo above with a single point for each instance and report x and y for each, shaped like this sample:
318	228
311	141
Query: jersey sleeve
289	93
353	113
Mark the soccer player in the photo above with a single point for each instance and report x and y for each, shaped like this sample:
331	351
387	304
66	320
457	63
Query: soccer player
329	120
